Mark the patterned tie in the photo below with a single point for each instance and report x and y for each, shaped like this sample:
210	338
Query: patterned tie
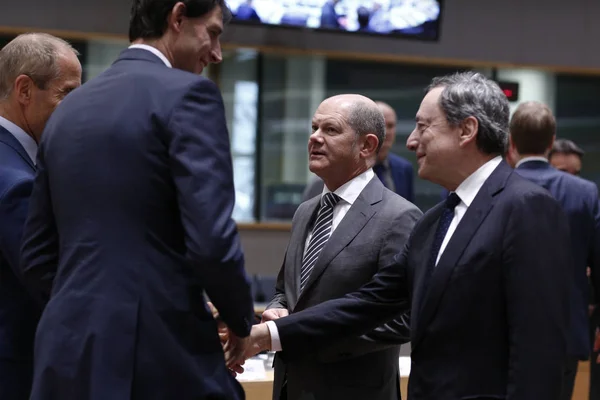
445	219
320	235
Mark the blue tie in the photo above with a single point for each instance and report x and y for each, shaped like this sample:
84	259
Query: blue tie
445	219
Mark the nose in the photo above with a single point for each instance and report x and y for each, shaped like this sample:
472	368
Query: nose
215	55
315	137
413	141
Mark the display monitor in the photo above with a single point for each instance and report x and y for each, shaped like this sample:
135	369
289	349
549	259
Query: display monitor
414	18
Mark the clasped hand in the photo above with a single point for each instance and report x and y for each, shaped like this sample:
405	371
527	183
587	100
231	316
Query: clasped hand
237	350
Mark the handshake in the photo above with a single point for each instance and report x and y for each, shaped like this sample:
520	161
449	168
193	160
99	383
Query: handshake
237	350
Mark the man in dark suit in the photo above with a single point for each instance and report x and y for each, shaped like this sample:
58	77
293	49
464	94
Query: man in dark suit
329	17
37	72
246	12
532	132
487	269
567	156
130	223
395	172
369	224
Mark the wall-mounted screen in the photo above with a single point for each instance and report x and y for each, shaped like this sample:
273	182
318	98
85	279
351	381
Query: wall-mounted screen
416	18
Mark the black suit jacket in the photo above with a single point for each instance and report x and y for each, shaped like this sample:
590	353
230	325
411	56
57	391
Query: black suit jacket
579	199
129	223
375	228
494	322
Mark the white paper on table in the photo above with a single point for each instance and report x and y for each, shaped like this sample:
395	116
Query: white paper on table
404	363
254	370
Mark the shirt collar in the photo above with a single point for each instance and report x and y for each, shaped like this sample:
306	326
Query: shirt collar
22	137
533	158
152	50
469	188
350	190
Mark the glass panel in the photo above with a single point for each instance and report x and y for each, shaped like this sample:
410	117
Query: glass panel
578	118
238	85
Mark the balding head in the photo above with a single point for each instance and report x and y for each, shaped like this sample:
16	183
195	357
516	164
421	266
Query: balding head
347	133
362	114
37	71
36	55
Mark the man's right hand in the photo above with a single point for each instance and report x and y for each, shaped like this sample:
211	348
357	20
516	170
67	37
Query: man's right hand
274	313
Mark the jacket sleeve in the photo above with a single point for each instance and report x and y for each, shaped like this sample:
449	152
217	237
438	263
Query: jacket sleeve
203	176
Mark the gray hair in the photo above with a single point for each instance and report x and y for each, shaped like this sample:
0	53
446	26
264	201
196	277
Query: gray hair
470	94
365	118
33	54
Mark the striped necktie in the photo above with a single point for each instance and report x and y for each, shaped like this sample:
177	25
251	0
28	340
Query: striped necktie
320	235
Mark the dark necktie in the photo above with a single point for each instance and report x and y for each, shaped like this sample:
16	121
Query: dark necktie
320	235
445	219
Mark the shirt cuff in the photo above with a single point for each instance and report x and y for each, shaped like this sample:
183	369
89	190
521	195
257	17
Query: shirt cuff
275	342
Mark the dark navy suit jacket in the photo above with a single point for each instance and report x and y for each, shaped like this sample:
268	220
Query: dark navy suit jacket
18	313
493	323
329	17
403	175
579	199
129	223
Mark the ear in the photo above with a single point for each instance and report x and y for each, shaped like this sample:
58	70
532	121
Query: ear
23	89
369	145
469	128
176	17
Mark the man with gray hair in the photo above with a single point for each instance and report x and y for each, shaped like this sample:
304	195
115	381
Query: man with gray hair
339	240
36	72
486	268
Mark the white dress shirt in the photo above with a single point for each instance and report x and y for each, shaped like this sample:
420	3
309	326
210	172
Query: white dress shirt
152	50
467	191
26	141
533	158
348	194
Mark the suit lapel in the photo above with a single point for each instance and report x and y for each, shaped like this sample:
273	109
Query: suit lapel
353	222
7	138
470	222
420	250
302	228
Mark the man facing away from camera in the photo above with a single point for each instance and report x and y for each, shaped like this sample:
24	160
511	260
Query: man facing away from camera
130	223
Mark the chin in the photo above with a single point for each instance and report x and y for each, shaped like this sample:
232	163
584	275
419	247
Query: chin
315	167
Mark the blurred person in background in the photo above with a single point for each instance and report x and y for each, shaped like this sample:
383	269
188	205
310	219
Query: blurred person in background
37	71
247	12
329	16
532	133
566	156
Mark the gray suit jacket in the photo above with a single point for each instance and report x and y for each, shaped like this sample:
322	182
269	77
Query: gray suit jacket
373	231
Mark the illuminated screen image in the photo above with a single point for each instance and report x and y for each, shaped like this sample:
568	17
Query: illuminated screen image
416	18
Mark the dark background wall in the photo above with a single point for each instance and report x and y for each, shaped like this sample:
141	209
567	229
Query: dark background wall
556	33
